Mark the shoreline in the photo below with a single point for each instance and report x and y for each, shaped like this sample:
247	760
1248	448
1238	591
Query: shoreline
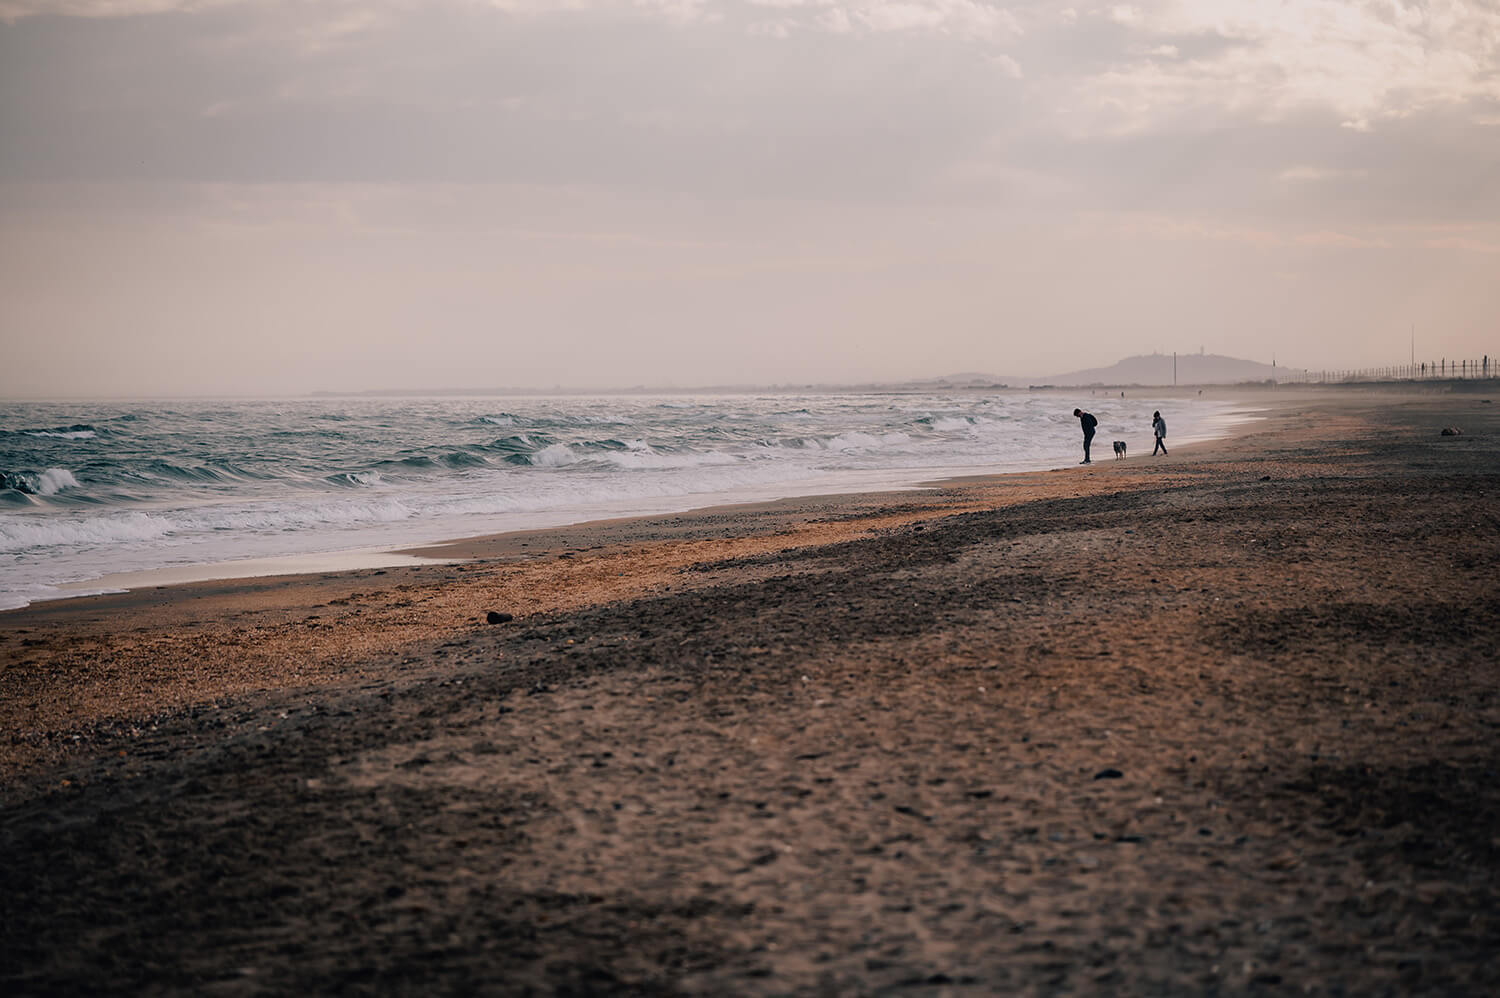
259	633
266	632
1210	724
1244	411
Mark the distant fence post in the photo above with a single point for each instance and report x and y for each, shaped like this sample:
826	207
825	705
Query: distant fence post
1465	368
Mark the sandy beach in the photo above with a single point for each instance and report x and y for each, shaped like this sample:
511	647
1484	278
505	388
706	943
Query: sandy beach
1213	723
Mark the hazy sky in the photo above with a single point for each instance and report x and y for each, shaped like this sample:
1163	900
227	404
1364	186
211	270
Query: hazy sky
203	196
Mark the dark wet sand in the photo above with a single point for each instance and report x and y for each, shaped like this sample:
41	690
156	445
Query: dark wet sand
1220	723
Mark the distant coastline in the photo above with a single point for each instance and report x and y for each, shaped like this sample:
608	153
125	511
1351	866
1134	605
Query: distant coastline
1144	371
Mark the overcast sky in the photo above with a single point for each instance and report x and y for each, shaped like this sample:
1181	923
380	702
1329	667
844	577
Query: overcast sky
205	196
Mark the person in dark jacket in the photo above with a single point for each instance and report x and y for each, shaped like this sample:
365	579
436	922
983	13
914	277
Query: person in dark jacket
1089	424
1159	427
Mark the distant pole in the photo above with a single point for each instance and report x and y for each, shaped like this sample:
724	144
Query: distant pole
1174	368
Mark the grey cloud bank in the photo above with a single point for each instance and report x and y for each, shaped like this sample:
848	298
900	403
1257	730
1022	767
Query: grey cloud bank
225	196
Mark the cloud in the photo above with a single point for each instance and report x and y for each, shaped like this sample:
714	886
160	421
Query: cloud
1314	174
835	21
772	29
1008	67
1174	229
14	10
972	19
1365	63
1483	240
1343	240
1463	244
680	11
966	19
1161	105
1463	237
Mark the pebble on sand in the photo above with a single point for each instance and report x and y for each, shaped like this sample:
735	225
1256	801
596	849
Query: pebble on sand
496	617
1108	774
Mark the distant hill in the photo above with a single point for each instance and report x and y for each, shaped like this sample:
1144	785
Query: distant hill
1145	370
1156	369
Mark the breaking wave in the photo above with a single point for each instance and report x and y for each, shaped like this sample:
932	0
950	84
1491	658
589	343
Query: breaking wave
35	532
46	483
359	479
80	431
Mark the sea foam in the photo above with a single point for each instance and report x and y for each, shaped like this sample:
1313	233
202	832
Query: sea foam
34	530
554	456
54	480
64	434
950	424
47	483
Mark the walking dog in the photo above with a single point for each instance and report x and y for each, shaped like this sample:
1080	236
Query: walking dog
1119	448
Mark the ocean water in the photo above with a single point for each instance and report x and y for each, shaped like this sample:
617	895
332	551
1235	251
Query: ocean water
96	489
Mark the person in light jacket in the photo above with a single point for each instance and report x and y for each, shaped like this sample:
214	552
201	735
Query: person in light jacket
1159	427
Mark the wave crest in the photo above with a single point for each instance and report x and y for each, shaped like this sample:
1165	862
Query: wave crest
78	431
948	423
362	479
554	456
47	483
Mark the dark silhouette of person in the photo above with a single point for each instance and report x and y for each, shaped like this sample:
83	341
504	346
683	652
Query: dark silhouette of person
1159	427
1089	424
